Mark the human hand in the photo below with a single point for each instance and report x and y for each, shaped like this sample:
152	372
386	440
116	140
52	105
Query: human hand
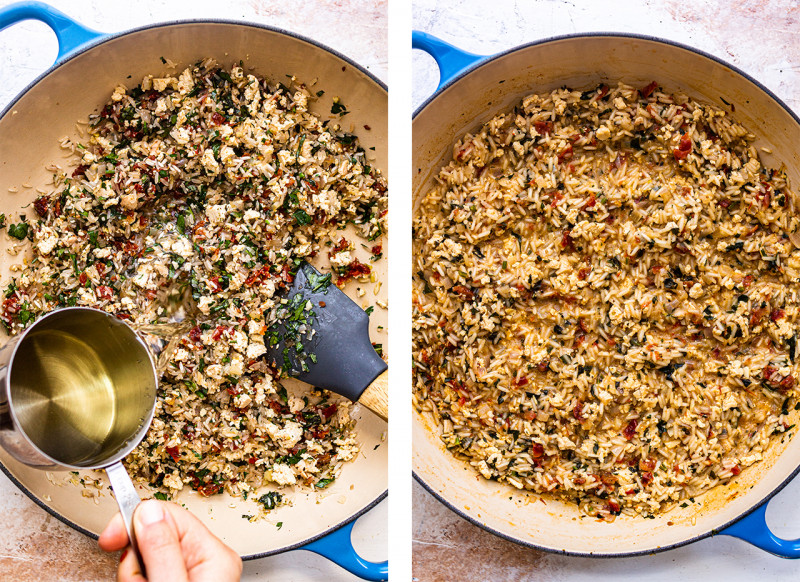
174	545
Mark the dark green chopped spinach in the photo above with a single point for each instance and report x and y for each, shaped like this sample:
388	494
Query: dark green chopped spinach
302	217
317	281
338	108
270	500
322	483
18	231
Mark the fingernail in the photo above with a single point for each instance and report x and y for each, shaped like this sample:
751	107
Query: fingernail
150	512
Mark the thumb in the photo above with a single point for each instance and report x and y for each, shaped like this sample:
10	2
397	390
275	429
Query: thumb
158	543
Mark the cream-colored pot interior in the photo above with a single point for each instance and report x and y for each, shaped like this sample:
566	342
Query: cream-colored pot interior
581	63
30	132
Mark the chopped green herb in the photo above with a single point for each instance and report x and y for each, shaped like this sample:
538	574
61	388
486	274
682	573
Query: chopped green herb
302	217
322	483
338	108
270	500
318	281
18	231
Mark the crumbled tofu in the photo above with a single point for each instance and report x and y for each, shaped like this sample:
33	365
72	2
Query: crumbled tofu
603	133
46	240
283	474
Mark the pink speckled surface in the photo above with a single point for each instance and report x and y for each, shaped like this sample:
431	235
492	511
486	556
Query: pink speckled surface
762	37
36	546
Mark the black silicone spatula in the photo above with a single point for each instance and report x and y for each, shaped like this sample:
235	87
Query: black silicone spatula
322	338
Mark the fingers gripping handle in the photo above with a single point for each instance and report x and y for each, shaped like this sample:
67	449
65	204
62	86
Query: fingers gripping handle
450	60
753	529
127	499
338	548
70	34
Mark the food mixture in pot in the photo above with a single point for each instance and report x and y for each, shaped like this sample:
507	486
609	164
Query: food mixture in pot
605	299
190	204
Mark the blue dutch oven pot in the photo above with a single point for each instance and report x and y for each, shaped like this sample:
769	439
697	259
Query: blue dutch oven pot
473	89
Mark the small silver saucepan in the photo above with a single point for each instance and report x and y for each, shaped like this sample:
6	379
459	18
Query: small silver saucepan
77	391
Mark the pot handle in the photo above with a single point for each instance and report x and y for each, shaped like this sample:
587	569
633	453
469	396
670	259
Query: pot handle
338	548
70	34
754	530
450	60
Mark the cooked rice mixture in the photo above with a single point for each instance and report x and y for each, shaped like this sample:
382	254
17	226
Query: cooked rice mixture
605	297
196	198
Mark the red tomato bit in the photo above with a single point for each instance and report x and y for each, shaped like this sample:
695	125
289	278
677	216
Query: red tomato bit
684	148
647	91
630	430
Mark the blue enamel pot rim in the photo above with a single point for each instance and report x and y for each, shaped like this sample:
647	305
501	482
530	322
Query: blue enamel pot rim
94	44
487	62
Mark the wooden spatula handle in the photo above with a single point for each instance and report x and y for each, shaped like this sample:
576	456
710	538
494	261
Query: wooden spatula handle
376	396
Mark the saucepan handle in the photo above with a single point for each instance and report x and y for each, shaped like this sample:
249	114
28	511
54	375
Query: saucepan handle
754	530
70	34
338	548
450	60
127	500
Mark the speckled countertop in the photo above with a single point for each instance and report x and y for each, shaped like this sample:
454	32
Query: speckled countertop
33	545
762	37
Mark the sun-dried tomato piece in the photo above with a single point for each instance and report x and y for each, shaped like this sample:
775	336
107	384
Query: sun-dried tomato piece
104	292
543	127
684	148
566	240
630	429
777	314
607	478
40	205
464	292
767	372
565	154
647	91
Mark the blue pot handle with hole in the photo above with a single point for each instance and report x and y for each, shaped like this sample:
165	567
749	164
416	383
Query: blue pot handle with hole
71	35
451	60
754	530
338	547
